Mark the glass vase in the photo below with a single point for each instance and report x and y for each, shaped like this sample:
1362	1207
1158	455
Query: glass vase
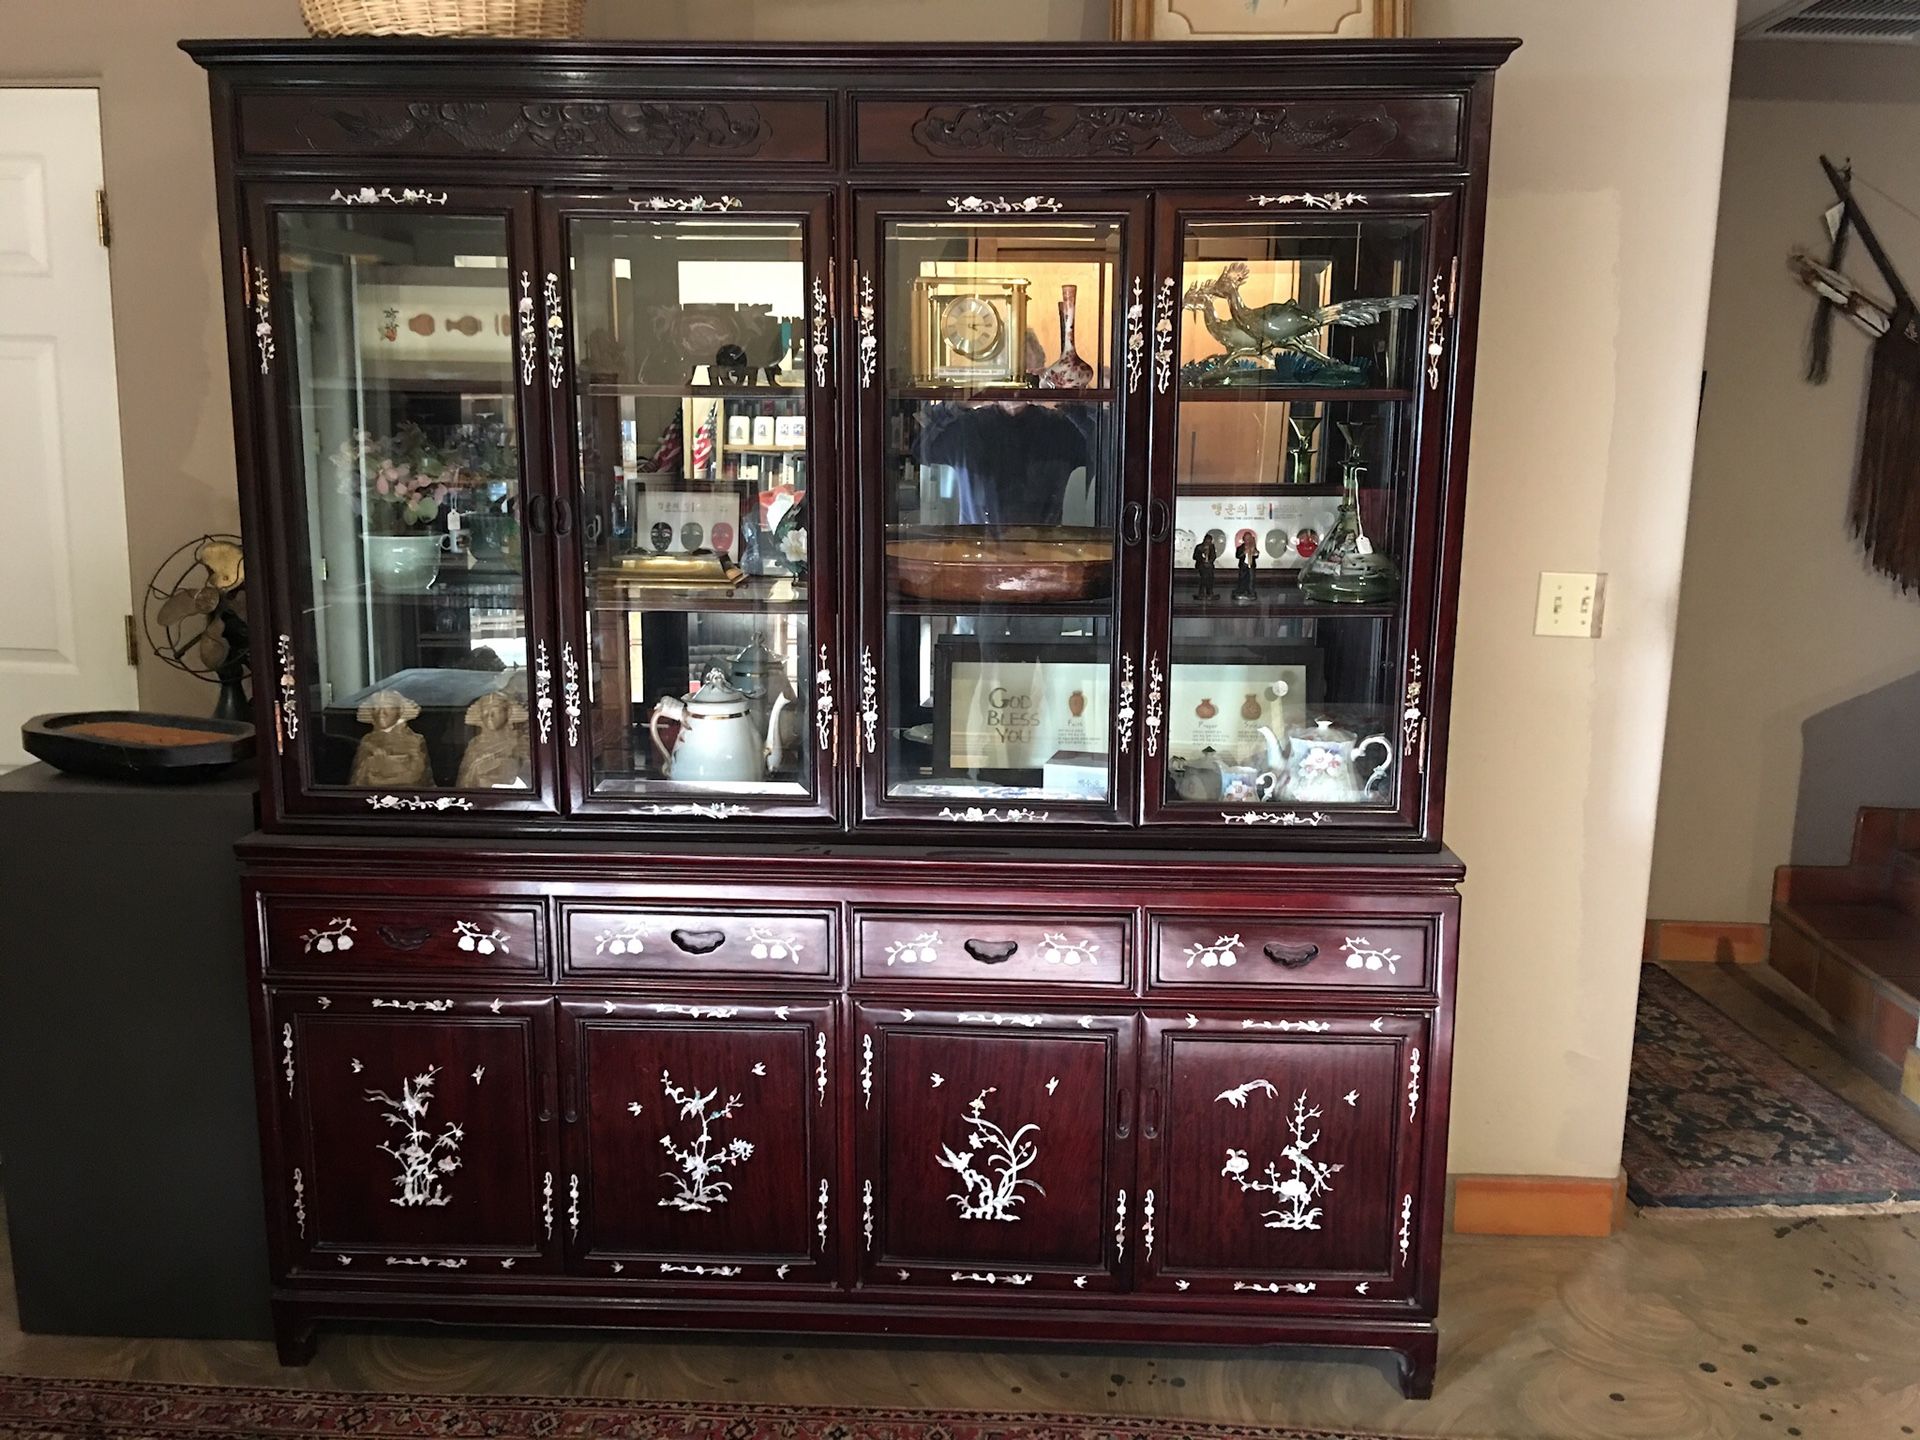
1346	569
1069	372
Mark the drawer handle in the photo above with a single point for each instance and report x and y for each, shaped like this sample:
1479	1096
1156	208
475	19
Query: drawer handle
1291	956
992	952
408	938
698	942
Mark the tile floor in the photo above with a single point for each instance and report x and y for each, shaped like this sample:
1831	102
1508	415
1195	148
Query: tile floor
1676	1328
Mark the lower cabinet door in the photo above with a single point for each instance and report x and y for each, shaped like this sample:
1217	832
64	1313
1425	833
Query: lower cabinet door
1279	1156
699	1142
994	1152
416	1133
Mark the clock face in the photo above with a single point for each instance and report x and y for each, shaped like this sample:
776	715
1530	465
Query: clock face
971	326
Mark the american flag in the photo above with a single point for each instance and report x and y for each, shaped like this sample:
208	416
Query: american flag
703	443
666	450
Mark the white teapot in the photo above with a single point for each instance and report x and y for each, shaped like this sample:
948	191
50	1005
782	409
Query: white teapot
720	738
1321	761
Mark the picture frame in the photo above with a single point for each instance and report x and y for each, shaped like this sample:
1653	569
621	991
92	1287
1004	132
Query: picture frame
1288	526
1002	710
1251	20
1218	696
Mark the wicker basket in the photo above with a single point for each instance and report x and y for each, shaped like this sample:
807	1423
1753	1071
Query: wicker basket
524	19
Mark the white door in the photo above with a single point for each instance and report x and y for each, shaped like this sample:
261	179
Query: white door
63	526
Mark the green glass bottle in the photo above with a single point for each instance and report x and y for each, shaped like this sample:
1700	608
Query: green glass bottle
1346	569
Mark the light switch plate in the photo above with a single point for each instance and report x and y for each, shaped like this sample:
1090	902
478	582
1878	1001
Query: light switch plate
1570	604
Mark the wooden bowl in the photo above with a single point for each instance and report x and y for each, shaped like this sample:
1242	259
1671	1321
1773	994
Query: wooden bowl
1004	563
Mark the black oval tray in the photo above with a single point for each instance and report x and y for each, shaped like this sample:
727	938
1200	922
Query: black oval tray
51	738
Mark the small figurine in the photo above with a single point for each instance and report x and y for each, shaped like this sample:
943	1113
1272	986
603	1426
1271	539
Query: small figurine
1204	557
391	755
494	756
1247	553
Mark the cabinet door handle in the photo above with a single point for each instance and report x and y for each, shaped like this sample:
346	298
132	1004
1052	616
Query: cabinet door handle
408	937
1123	1116
563	517
539	514
1291	956
1150	1119
572	1113
698	942
991	952
1131	526
1160	522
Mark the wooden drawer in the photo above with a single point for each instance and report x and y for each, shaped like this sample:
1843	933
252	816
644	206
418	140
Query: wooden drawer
692	940
1372	952
350	937
955	945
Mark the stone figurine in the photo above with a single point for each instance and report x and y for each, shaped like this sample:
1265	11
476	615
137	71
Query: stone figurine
1204	558
495	754
1247	553
391	755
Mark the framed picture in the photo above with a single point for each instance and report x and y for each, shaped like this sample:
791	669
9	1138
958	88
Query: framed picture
675	521
1003	710
1260	19
1288	527
1219	696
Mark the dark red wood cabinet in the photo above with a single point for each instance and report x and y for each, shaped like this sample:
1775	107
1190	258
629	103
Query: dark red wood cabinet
856	646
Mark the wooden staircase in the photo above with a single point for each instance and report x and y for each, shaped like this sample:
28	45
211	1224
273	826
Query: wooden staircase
1849	937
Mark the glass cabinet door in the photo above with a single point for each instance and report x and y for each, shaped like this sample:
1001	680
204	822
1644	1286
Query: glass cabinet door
697	675
1002	347
392	328
1299	349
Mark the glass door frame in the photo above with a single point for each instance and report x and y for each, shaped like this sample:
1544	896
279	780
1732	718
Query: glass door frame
1128	346
813	208
1420	648
285	637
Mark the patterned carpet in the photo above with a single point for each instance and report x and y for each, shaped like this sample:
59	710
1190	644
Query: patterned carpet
41	1409
1717	1118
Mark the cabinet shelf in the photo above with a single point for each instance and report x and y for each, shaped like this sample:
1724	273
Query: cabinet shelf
615	592
1275	602
995	394
1286	394
913	605
612	389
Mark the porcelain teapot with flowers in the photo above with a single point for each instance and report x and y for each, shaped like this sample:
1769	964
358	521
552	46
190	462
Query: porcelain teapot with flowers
720	738
1323	764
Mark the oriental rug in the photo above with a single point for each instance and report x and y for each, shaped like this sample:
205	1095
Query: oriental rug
1717	1119
43	1409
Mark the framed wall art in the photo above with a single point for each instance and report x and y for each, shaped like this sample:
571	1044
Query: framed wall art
1003	710
1261	19
1219	697
1287	527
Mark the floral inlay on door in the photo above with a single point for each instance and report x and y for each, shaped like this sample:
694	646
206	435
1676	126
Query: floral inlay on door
991	1192
700	1160
425	1159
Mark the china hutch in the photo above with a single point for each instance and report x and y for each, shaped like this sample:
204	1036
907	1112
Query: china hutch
854	648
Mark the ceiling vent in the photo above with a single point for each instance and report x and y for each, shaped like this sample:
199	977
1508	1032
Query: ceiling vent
1858	22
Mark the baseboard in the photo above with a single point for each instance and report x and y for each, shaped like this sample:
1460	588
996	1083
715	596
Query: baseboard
1538	1205
1679	941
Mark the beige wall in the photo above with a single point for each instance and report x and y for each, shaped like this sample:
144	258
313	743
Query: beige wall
1779	618
1606	159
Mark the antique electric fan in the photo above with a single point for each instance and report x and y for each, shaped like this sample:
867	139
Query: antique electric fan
196	617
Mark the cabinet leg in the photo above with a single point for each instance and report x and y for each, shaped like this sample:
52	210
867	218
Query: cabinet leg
1419	1358
296	1340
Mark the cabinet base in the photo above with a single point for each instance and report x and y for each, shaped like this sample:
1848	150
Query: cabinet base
1415	1345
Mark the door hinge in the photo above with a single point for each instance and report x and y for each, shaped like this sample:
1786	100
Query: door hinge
102	222
133	643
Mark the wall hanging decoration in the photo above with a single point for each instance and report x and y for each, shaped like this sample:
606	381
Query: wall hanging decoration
1884	509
